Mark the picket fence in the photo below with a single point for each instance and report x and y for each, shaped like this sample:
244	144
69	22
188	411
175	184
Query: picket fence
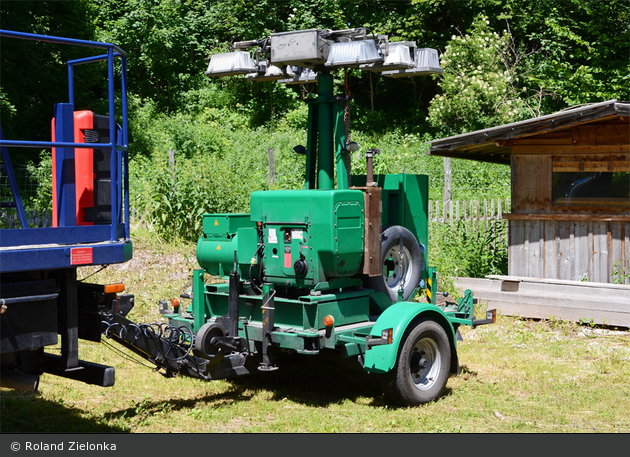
35	219
473	216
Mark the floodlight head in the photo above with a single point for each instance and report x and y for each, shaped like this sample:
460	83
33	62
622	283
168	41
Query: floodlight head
353	146
269	73
353	54
300	76
396	56
427	63
231	63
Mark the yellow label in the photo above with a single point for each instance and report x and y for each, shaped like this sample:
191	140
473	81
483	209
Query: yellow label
218	247
216	222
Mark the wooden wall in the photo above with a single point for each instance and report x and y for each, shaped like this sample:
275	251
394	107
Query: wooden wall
564	242
568	250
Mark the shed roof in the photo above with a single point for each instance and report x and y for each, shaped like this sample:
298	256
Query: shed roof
488	145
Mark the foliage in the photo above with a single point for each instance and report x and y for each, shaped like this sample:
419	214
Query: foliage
620	274
40	173
33	75
460	251
503	60
218	162
583	51
481	64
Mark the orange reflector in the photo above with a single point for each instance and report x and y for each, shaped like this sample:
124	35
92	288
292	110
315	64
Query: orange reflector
494	316
329	321
114	288
389	336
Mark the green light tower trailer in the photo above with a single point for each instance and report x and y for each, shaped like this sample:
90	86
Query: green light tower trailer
333	266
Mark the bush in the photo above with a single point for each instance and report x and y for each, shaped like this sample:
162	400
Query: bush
458	251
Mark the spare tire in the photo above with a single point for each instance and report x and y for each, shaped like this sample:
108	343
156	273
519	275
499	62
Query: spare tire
401	258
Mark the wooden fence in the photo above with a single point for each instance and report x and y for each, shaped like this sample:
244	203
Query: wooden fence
473	216
35	219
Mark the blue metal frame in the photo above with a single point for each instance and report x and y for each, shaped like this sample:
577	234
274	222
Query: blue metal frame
28	249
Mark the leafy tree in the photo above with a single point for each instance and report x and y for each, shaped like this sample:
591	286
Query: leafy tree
33	75
557	54
480	83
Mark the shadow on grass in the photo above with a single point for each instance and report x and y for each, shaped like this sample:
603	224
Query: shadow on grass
148	407
312	381
323	380
317	380
28	412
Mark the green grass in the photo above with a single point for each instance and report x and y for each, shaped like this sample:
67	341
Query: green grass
518	376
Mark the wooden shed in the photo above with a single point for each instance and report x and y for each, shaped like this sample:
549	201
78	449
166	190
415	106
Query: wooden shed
570	203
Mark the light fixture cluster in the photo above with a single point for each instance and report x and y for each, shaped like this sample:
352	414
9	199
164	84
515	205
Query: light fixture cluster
297	57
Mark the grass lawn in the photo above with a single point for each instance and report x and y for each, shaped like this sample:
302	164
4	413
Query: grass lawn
518	376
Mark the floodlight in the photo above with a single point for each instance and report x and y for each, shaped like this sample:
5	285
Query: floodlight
396	56
269	73
427	63
353	54
300	76
231	63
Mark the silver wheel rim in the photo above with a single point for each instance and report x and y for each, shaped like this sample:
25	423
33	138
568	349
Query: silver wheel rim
397	268
425	364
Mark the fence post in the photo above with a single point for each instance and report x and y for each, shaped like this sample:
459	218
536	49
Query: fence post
485	215
171	163
272	172
447	179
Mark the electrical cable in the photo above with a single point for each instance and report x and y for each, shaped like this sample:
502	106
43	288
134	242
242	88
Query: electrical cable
251	265
90	275
174	337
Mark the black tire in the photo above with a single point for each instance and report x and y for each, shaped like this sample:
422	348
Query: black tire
423	364
410	261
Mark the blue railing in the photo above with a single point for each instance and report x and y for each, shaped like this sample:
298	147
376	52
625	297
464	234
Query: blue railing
67	231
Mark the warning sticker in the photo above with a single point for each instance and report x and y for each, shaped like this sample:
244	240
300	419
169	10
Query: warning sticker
80	256
297	234
273	237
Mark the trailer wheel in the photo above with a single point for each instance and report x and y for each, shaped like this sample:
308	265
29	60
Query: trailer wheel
204	346
423	365
400	266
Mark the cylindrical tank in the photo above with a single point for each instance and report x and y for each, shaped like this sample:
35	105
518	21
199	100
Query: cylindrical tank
219	239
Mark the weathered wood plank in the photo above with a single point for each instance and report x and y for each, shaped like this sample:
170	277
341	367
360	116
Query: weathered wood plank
600	252
516	249
534	241
567	149
616	248
592	166
550	267
567	217
563	237
583	252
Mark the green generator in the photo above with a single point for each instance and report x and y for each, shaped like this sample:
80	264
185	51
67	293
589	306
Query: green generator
338	265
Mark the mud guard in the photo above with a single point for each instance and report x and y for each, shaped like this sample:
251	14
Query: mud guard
380	354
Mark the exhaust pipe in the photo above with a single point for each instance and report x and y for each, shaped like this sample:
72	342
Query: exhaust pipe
18	381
